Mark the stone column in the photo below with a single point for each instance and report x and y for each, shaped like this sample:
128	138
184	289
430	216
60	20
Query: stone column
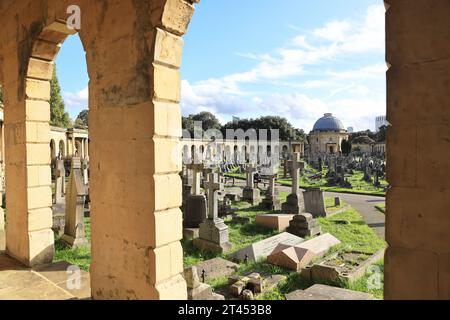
417	261
136	250
28	174
86	148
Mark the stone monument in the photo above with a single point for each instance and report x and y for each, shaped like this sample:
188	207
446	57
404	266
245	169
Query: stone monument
315	202
250	193
293	204
213	233
304	225
272	199
74	232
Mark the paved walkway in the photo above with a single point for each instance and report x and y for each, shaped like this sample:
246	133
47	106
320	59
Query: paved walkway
51	282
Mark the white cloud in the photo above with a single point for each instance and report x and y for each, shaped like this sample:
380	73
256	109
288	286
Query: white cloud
75	102
356	94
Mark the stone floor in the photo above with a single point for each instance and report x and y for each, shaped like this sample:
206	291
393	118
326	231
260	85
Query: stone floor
51	282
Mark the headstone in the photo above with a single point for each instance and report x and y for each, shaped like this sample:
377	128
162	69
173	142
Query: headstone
293	203
216	268
304	225
315	202
74	232
85	166
264	248
337	201
190	233
251	194
272	200
60	174
213	233
277	222
195	211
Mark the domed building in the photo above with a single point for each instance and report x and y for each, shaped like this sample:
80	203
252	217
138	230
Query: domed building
327	135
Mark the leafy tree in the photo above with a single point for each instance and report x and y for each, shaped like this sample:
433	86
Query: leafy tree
58	116
346	147
83	119
381	134
209	121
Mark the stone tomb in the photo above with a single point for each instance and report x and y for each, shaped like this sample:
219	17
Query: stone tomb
277	222
293	203
315	202
251	194
262	249
213	233
74	232
304	225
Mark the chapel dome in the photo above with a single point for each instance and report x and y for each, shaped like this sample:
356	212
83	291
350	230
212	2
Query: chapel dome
328	123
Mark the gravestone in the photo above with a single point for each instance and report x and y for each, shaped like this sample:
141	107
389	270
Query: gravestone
337	201
293	204
272	200
277	222
60	174
304	225
324	292
264	248
290	257
315	202
74	232
195	211
250	193
213	233
85	166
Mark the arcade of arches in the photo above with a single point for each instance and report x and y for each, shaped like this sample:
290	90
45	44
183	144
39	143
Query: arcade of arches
133	51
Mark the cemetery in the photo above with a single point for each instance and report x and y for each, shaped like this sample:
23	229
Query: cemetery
149	215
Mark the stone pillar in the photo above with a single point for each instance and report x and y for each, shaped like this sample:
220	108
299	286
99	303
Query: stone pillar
417	261
86	149
27	134
60	181
139	231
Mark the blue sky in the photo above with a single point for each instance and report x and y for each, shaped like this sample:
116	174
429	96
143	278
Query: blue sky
293	58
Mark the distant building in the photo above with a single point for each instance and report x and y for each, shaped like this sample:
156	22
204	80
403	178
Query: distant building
327	135
379	122
350	130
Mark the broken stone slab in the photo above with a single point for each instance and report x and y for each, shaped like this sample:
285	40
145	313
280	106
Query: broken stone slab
216	268
324	292
277	222
262	249
321	244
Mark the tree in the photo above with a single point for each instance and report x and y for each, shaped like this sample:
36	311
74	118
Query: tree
58	116
83	119
346	147
381	134
208	120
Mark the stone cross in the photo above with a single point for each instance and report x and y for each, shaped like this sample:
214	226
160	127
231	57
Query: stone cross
296	165
196	169
212	185
250	171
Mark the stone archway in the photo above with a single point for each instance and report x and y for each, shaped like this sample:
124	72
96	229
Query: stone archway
142	94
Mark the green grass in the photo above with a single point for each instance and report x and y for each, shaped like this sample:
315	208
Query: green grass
381	207
354	236
359	186
80	256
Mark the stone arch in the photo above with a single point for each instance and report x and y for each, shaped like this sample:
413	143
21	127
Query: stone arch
144	89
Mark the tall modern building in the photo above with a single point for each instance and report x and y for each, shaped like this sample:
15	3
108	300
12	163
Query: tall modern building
379	122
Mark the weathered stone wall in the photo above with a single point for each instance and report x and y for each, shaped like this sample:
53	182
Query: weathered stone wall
417	264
